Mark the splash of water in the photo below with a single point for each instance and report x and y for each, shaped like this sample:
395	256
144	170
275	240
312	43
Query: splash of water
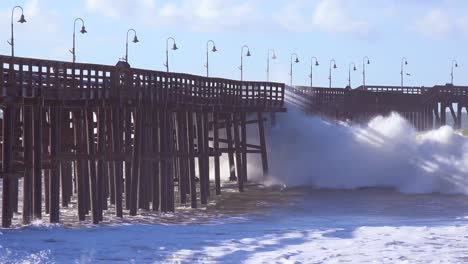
386	152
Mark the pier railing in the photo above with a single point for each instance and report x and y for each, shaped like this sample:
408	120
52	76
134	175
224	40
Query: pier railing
423	106
65	81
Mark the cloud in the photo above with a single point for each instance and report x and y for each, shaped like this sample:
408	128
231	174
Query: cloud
436	23
197	15
334	16
121	8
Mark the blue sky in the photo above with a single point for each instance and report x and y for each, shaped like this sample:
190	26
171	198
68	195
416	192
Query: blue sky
430	33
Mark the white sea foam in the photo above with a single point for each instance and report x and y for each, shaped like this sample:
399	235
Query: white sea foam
363	245
388	152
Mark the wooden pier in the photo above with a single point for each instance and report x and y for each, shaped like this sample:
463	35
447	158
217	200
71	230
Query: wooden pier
425	108
130	138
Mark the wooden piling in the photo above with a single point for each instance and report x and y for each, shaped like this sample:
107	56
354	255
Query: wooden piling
217	154
263	149
7	161
28	161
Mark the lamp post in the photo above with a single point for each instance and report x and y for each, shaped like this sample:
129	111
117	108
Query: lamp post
135	40
365	61
174	47
82	31
241	68
273	56
311	76
207	65
291	71
349	72
21	20
454	65
404	62
330	72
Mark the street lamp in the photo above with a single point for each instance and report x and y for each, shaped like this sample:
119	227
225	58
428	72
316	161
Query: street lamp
135	40
174	47
404	62
330	73
311	76
241	68
207	55
349	72
21	20
273	56
291	71
82	31
365	61
454	65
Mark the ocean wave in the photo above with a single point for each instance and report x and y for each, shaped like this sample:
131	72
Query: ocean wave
386	152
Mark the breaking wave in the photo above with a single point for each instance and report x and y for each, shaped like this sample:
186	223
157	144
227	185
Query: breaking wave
386	152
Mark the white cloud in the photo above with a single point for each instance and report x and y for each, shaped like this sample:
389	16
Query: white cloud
292	18
198	15
334	16
120	8
436	23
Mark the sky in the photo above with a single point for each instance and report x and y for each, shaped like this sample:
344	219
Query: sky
429	33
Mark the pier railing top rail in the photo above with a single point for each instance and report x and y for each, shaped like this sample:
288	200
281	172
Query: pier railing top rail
58	80
393	89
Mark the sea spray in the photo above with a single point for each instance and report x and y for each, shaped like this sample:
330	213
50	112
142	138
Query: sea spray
386	152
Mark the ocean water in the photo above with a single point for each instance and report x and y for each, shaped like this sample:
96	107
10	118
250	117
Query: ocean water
317	226
379	193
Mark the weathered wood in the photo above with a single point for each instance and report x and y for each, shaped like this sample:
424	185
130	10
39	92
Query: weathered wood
163	164
110	153
183	180
243	127
80	177
128	149
238	147
101	164
261	135
217	169
191	151
201	162
205	153
117	170
54	174
135	163
232	171
28	170
37	173
156	176
7	161
171	163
